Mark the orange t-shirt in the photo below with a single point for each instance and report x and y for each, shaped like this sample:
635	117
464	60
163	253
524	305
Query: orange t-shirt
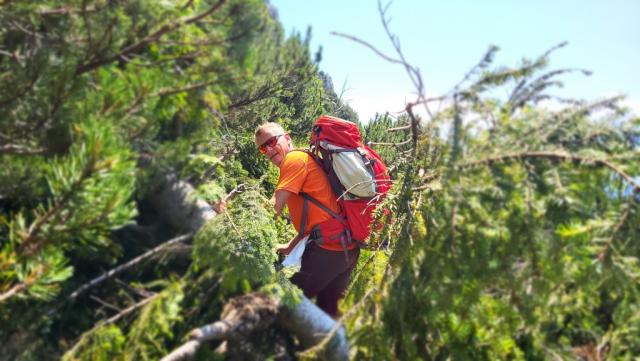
300	173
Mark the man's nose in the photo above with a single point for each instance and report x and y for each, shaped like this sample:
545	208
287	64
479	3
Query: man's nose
271	150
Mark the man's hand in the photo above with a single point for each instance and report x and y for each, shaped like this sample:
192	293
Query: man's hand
285	249
279	200
220	207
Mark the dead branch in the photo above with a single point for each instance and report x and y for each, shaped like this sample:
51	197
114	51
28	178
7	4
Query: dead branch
138	291
390	144
366	44
241	317
18	149
187	56
403	127
82	289
167	92
66	10
15	56
105	303
127	310
13	291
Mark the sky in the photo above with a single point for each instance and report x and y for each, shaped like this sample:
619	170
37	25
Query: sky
444	39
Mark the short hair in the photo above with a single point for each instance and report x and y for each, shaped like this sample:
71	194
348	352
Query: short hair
268	126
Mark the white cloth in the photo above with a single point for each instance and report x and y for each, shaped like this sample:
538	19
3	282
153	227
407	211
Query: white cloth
294	258
356	176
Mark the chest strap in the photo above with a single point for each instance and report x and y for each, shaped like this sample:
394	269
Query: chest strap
305	210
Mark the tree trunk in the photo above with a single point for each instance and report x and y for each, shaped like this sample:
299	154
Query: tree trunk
176	203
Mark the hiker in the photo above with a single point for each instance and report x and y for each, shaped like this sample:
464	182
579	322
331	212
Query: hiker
326	268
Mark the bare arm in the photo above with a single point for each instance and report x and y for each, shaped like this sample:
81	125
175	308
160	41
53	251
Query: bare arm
287	248
279	199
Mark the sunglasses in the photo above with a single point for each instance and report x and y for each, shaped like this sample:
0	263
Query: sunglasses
270	143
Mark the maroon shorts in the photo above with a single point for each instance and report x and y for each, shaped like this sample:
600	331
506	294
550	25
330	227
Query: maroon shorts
325	275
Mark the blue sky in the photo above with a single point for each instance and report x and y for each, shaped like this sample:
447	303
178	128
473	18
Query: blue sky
445	38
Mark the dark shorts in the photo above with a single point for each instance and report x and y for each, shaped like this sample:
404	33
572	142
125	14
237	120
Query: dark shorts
325	275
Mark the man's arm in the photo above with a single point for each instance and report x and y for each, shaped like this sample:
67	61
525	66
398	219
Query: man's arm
279	199
285	249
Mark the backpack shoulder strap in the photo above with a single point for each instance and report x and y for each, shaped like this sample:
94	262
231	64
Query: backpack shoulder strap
322	206
310	153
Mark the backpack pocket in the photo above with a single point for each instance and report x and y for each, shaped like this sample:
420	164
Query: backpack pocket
359	213
331	232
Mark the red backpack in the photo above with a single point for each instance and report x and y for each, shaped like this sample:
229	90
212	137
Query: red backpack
358	177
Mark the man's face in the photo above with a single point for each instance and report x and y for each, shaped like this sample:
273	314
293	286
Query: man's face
274	144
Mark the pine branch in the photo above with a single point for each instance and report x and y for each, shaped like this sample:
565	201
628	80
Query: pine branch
30	237
148	39
561	156
114	319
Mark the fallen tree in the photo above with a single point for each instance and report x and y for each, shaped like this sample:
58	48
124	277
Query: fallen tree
176	203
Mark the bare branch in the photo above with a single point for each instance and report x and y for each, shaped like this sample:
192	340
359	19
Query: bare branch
66	10
105	303
403	127
13	291
362	42
128	265
17	58
128	310
21	150
390	144
167	92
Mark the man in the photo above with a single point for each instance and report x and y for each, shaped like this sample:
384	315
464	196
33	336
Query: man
325	271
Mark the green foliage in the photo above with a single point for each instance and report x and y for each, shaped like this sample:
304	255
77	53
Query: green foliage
104	344
511	230
334	105
151	330
240	244
524	248
89	193
99	100
146	337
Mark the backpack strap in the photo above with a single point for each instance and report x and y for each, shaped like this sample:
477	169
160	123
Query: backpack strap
305	209
308	198
311	154
325	165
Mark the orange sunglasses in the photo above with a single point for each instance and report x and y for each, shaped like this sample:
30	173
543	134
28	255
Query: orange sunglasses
271	142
